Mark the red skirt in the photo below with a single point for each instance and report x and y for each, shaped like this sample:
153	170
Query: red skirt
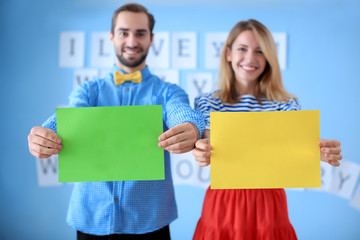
244	214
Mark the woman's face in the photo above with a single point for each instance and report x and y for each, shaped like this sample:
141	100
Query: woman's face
247	60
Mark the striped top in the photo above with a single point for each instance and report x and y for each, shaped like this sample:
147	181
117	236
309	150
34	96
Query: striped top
130	207
209	103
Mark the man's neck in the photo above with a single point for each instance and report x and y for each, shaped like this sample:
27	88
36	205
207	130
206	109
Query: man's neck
131	69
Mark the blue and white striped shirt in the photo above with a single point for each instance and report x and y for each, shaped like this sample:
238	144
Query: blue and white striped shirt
131	207
209	103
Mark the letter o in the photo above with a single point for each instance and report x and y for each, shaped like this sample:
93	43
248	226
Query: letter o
179	166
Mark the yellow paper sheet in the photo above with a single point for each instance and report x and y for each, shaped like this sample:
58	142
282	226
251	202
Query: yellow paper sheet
265	149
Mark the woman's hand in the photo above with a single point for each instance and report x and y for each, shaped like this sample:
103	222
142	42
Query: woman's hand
202	152
330	151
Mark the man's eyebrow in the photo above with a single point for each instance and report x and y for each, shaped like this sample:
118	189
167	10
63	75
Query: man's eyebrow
141	30
123	29
127	29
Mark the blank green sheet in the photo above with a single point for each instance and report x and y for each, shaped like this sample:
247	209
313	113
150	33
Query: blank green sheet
110	143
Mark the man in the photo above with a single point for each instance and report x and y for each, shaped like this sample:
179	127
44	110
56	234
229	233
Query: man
127	209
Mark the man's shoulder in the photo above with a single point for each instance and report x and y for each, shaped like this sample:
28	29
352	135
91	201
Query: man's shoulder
162	84
91	86
99	81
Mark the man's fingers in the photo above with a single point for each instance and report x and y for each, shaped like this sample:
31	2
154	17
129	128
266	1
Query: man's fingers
171	132
172	140
179	146
43	142
42	152
38	155
182	131
45	133
183	138
178	151
42	155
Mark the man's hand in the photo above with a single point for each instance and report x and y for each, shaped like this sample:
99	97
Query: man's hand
179	139
330	151
43	142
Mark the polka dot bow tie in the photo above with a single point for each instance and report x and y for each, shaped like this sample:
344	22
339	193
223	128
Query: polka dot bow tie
120	78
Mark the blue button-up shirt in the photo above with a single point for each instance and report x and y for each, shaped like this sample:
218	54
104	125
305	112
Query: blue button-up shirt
132	207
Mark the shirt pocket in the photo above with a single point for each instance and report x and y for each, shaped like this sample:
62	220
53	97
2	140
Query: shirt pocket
153	100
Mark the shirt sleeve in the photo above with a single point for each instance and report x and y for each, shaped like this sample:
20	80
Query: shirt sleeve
82	96
201	105
179	111
51	123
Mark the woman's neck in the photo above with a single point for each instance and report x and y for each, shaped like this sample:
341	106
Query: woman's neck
245	88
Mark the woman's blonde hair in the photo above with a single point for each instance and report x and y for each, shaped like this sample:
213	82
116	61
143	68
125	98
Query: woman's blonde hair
269	84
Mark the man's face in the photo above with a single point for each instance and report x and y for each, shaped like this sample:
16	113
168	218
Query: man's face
131	40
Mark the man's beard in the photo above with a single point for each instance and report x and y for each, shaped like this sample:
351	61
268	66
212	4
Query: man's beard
131	64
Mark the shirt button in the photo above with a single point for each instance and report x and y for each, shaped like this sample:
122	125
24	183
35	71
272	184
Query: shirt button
116	199
127	89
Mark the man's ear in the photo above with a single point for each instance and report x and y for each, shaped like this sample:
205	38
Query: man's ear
151	39
111	36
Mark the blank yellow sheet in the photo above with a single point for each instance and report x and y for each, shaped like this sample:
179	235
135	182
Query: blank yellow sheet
265	149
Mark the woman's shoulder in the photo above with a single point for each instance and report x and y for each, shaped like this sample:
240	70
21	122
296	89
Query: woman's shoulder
211	96
207	100
290	104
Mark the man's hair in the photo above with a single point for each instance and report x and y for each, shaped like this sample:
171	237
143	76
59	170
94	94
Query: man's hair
135	8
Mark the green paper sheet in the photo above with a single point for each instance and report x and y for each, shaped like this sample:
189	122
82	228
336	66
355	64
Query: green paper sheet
110	143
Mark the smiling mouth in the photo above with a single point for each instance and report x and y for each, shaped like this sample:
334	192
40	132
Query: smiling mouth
248	68
132	51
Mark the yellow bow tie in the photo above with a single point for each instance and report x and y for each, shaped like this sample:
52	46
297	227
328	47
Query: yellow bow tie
120	78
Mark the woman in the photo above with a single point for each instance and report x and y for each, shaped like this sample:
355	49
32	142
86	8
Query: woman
250	80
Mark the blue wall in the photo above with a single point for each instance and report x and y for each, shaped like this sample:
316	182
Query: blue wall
322	70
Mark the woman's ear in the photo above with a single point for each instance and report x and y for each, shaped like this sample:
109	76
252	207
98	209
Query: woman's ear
228	54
